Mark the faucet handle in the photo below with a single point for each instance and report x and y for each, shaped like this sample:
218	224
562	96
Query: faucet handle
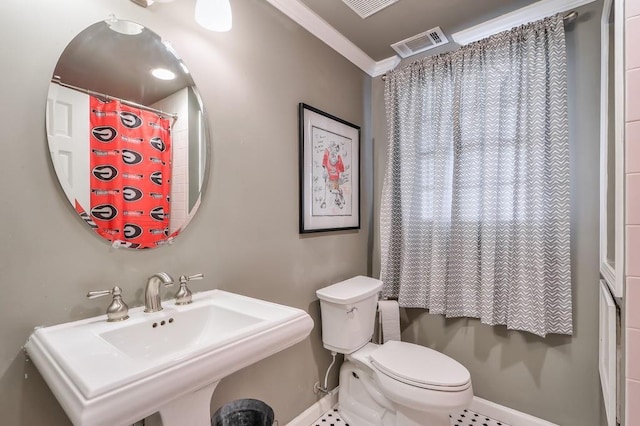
183	296
100	293
117	309
192	277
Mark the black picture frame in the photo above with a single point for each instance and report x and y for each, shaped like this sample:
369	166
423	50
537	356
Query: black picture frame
329	172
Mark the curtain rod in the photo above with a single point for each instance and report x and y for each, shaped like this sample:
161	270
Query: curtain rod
171	115
568	18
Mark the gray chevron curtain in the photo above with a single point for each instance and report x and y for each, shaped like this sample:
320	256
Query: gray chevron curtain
475	203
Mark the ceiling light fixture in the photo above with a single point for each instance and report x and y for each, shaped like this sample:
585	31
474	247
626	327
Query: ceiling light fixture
163	74
214	15
123	27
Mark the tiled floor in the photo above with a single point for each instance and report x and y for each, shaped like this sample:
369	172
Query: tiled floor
469	418
463	418
330	418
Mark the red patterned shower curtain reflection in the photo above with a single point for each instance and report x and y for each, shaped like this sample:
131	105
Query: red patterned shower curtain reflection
130	162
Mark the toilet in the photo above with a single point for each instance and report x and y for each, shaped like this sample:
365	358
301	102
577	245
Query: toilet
393	384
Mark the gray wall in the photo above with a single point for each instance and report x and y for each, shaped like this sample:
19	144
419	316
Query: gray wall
245	236
554	378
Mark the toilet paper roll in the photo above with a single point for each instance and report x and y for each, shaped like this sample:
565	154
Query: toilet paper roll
389	319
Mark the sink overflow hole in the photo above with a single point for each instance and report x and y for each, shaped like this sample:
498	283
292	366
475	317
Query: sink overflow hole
155	324
162	322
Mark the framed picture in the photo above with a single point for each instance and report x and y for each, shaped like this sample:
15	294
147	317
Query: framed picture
329	172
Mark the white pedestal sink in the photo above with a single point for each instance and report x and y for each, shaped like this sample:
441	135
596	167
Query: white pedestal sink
106	373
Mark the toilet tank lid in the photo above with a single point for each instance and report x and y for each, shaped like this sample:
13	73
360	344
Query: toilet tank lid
350	291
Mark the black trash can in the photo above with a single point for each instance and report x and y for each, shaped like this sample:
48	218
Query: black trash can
243	412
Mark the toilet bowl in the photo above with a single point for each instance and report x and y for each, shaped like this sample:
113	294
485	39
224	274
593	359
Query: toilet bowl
393	384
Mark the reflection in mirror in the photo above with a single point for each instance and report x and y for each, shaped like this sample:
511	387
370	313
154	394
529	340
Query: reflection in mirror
127	134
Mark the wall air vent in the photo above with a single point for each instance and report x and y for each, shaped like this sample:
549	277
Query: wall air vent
420	42
366	8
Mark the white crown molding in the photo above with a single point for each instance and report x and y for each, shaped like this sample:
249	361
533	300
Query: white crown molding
385	65
531	13
317	26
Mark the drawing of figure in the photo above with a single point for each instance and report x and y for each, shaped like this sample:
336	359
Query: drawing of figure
333	166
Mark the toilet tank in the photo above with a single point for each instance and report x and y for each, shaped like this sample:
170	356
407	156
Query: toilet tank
348	311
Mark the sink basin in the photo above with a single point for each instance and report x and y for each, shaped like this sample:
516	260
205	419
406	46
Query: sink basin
106	373
183	331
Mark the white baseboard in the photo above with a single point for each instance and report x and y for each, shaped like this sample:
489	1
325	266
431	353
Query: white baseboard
479	405
506	414
316	410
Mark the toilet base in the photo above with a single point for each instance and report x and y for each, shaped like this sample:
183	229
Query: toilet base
421	418
361	403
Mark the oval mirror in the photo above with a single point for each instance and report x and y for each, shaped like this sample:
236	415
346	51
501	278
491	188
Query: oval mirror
127	134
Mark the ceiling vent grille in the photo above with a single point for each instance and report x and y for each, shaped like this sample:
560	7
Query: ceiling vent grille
366	8
420	42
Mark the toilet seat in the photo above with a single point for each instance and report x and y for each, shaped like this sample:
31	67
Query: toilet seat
420	366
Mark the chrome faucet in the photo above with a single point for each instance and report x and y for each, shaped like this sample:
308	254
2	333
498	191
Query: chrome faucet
152	301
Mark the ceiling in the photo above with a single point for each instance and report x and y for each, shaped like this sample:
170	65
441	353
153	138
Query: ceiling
375	34
105	61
